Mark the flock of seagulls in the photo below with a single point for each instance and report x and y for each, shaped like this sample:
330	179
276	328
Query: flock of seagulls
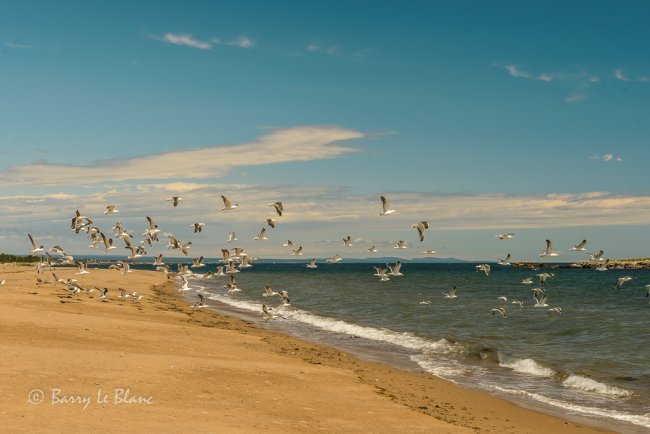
235	260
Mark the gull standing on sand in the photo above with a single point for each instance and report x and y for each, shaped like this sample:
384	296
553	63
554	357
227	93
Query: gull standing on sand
421	227
385	207
549	250
174	200
580	247
312	264
279	208
36	249
227	205
622	280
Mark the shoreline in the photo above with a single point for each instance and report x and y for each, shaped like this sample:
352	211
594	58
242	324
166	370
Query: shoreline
213	372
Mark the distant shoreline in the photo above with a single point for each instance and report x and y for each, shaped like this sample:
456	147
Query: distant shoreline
612	264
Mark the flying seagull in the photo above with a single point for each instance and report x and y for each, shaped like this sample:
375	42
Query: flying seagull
174	200
580	247
505	236
198	227
622	280
261	235
36	249
504	261
385	206
347	241
278	207
401	244
451	293
110	209
227	205
549	250
421	227
312	263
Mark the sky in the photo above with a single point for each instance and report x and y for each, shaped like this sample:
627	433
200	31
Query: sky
479	117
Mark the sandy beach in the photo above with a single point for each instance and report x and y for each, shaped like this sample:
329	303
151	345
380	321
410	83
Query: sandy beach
73	361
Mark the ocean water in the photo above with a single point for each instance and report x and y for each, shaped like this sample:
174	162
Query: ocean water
590	362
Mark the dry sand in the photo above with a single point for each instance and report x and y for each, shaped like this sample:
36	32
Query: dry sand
118	366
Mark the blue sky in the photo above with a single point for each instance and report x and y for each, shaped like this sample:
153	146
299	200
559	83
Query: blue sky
479	117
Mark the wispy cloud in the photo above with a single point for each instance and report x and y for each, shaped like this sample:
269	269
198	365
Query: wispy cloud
283	145
575	98
330	50
186	40
14	44
620	75
606	157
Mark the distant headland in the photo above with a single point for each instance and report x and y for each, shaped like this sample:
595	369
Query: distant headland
610	264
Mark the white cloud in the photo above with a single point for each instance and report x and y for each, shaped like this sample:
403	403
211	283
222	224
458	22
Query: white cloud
330	50
515	72
620	75
14	44
243	42
283	145
606	157
186	40
575	98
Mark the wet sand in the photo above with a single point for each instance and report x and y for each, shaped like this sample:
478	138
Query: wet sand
73	362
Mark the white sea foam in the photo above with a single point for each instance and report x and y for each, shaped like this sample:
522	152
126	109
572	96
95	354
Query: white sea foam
402	339
447	369
636	419
588	385
527	366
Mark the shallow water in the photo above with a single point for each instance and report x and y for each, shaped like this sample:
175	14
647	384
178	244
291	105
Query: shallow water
590	360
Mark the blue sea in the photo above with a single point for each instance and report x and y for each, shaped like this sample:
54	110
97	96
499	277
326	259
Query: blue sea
589	363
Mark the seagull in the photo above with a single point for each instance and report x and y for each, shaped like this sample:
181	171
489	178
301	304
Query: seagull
261	236
505	236
197	262
501	311
312	264
426	302
175	200
484	268
3	282
103	294
504	261
647	290
289	243
198	227
557	309
347	241
121	266
549	250
82	268
401	244
334	259
527	281
278	207
580	247
544	276
622	280
269	292
503	299
185	247
297	252
271	222
201	303
36	249
227	205
428	252
238	252
394	270
451	293
421	227
58	249
540	297
158	260
266	313
284	295
231	237
245	262
597	256
385	207
371	249
603	266
108	242
519	302
219	272
153	229
123	294
381	273
110	209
